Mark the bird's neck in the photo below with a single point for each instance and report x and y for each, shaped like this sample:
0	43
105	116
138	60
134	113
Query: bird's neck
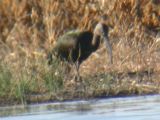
95	42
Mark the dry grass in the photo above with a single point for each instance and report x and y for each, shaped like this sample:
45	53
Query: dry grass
29	29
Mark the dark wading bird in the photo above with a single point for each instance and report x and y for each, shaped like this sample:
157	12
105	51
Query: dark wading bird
76	46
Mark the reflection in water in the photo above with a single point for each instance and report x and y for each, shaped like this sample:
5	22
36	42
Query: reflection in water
129	108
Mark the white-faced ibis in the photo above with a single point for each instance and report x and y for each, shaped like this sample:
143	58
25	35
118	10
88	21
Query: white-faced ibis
77	46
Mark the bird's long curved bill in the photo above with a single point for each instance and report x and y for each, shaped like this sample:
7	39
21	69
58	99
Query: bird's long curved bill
109	48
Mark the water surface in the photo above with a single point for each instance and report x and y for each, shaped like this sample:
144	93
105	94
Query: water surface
123	108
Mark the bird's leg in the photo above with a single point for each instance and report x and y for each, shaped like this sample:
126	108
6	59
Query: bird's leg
65	69
77	71
77	64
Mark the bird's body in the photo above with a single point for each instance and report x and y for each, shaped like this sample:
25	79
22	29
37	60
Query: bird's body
77	46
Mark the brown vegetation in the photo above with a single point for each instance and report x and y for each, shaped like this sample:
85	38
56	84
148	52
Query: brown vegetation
29	29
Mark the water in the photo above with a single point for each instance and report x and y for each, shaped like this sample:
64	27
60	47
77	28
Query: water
125	108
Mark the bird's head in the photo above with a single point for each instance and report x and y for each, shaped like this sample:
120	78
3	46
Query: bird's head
102	30
102	26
